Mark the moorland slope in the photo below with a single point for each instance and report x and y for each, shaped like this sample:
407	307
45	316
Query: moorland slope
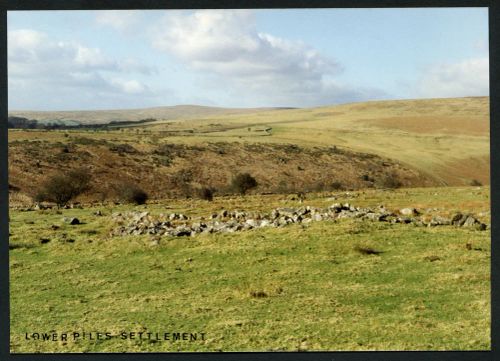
409	143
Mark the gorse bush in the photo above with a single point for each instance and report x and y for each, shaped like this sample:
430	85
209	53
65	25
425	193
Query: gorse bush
62	187
243	182
131	193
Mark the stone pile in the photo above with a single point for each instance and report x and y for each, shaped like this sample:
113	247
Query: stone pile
176	224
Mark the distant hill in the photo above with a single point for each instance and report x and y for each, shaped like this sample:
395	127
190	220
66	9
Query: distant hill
448	138
106	116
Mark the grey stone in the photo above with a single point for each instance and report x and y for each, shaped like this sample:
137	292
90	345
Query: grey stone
317	217
287	212
372	216
252	222
181	231
439	221
409	212
458	219
265	223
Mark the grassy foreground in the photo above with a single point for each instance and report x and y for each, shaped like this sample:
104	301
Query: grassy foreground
297	288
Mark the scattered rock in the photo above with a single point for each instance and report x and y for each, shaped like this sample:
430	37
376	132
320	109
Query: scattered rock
178	225
71	220
44	240
409	212
367	250
258	294
439	221
469	221
458	219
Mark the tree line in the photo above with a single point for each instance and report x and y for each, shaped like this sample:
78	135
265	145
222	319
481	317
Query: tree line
25	123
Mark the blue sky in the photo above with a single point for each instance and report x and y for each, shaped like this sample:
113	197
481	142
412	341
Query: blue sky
69	60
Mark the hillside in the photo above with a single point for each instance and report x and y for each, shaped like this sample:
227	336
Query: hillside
106	116
448	139
171	170
350	146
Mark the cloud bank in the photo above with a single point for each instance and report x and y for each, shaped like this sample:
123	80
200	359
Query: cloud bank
226	49
71	73
466	78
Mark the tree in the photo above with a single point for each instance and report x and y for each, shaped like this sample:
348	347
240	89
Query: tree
62	187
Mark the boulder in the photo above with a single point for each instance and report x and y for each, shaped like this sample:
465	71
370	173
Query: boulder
252	223
439	221
71	220
317	217
458	219
139	216
265	223
181	231
469	221
409	212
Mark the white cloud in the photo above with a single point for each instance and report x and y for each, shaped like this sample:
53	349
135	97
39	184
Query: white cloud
120	20
466	78
93	58
47	71
225	46
129	86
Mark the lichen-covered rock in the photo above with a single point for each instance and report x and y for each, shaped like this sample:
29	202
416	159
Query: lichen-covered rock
178	225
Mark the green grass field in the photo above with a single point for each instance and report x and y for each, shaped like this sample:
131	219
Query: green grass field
298	288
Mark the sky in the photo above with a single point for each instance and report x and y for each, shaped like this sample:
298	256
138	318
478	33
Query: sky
88	60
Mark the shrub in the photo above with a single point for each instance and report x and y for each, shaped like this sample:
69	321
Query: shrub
131	193
206	193
62	187
476	183
367	178
243	182
336	186
182	176
389	181
123	148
